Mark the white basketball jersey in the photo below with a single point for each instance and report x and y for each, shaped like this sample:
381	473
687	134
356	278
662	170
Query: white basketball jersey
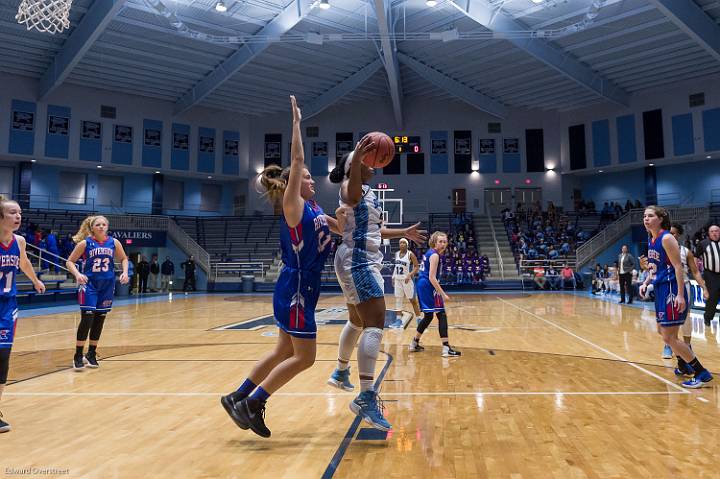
683	260
363	222
402	265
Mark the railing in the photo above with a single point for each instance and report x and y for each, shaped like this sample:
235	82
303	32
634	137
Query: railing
614	231
188	245
527	265
44	255
223	270
497	248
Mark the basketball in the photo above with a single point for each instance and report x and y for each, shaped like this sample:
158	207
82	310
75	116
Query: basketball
383	153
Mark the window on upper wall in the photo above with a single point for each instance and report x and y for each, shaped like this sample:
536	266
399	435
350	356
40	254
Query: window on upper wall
110	190
72	187
173	195
210	197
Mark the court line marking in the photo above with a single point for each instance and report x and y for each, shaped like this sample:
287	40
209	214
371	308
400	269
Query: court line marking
596	346
384	394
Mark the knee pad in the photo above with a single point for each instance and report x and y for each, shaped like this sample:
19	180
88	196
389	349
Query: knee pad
97	325
4	364
86	320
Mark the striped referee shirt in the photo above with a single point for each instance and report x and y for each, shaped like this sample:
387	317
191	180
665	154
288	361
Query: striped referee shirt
709	251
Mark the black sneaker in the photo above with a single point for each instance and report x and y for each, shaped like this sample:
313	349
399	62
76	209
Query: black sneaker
449	352
4	427
91	360
78	362
252	412
231	408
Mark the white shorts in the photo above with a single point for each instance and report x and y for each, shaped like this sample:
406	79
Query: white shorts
358	272
403	289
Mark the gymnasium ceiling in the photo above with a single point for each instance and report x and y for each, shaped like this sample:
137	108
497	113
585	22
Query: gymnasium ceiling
492	54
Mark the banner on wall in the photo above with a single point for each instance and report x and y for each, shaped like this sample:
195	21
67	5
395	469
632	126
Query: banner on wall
320	148
23	120
462	146
438	147
180	141
511	145
58	125
232	147
91	130
140	238
207	144
487	146
123	134
152	137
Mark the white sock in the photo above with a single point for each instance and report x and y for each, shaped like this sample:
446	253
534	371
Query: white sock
368	351
398	303
348	340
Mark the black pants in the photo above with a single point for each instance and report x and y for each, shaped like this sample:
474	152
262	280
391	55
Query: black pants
142	287
626	286
189	283
712	281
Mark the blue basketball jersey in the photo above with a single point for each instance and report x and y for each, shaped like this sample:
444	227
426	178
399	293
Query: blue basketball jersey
99	259
306	247
425	264
9	266
659	262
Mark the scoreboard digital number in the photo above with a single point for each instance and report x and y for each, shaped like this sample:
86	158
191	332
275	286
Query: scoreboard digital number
407	144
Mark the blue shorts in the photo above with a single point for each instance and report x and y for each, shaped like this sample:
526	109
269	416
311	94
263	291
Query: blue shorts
430	300
666	313
97	295
294	301
8	321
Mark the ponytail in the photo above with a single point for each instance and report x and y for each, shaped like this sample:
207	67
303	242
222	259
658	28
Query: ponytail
338	174
272	182
86	228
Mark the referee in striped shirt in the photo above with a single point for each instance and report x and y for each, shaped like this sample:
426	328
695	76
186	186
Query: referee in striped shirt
709	251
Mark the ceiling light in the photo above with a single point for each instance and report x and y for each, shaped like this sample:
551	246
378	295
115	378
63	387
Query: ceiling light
324	4
209	177
157	172
537	1
99	166
431	3
708	157
600	171
220	7
33	160
652	164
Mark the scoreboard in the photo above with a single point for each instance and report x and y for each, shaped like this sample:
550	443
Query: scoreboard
407	144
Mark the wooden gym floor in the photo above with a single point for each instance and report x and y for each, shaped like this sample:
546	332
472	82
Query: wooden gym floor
549	385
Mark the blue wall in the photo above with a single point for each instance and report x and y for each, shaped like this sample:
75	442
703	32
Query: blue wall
619	186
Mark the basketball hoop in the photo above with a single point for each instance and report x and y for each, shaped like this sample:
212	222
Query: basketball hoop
50	16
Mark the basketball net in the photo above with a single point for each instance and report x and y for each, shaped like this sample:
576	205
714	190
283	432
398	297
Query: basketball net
49	16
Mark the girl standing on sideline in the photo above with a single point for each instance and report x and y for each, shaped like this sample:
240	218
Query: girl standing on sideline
12	258
358	262
97	283
403	276
670	301
431	295
305	244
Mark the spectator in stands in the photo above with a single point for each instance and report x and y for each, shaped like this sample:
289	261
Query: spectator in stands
628	206
539	277
568	277
189	267
154	274
599	279
67	245
553	277
167	270
143	271
53	248
638	204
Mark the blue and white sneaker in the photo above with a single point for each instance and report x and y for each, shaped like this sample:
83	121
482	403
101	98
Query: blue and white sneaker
341	380
687	370
368	406
698	381
667	352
